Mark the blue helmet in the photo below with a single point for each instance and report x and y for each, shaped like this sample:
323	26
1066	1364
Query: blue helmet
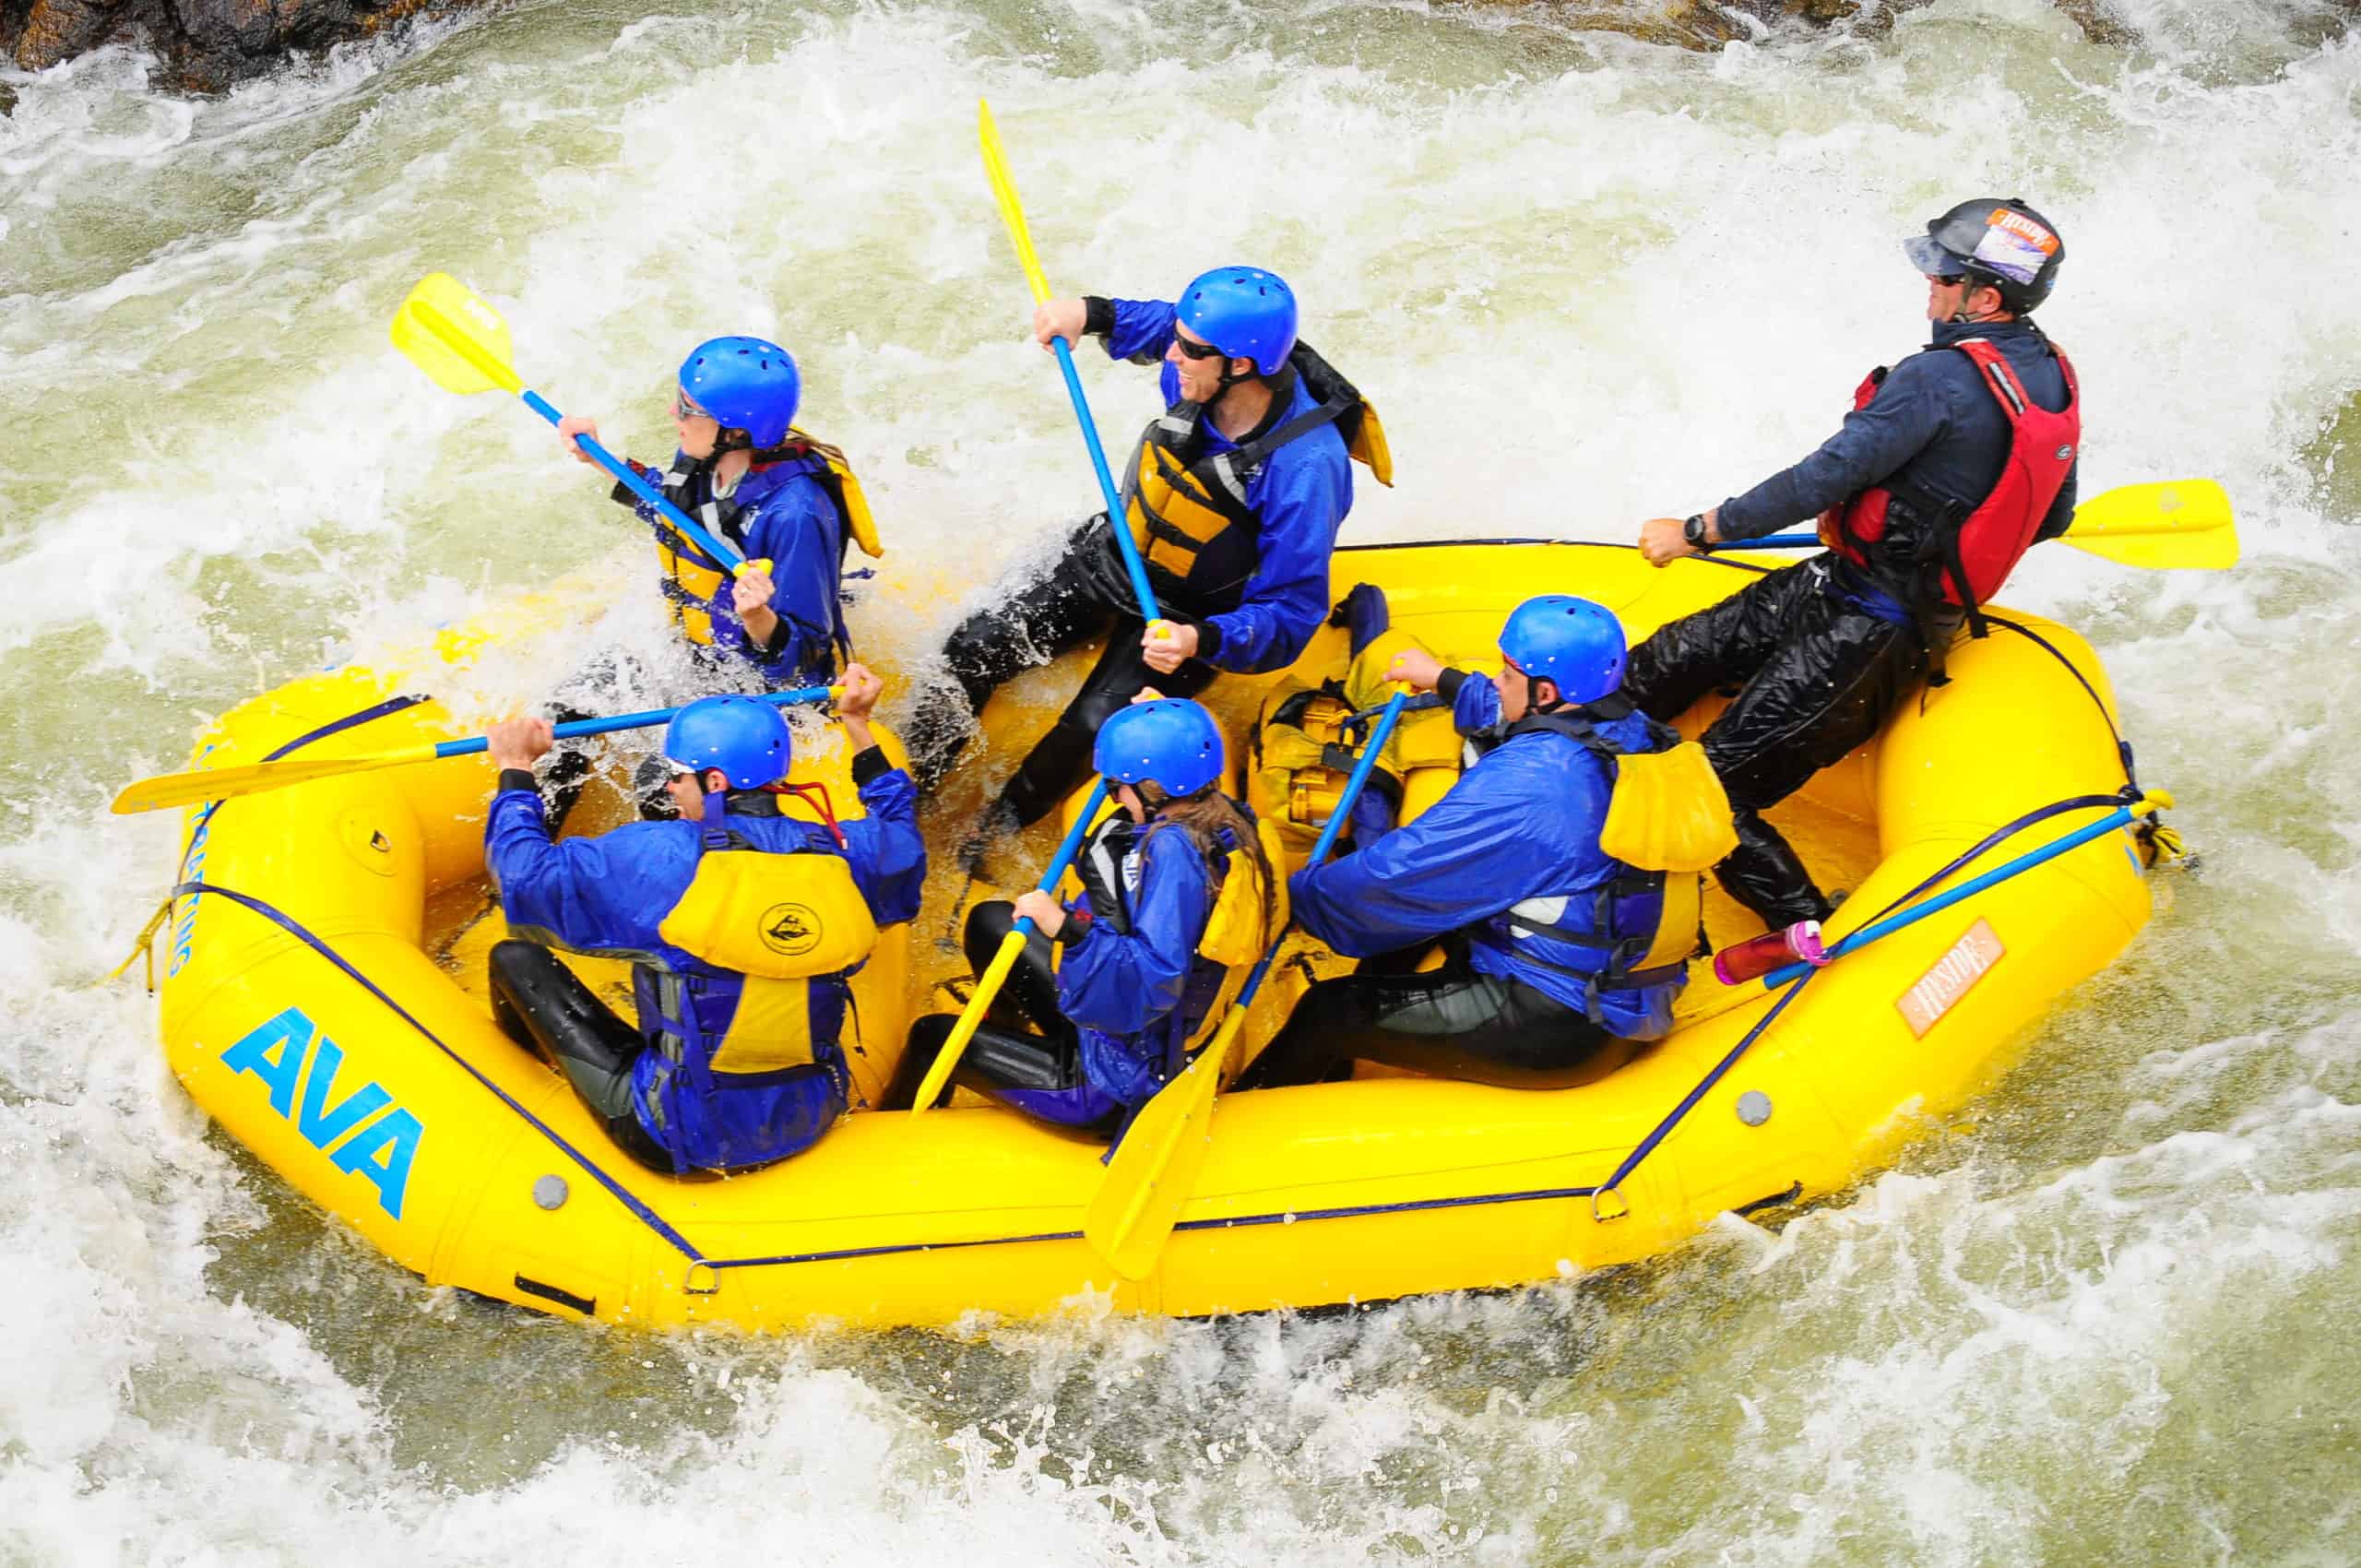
1245	312
1571	642
747	384
1171	743
746	738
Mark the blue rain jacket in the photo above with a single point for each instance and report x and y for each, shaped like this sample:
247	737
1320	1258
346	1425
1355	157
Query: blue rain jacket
784	514
1933	425
1300	494
1521	825
1138	998
607	895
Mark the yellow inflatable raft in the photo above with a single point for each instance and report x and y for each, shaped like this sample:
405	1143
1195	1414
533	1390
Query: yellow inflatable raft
324	1002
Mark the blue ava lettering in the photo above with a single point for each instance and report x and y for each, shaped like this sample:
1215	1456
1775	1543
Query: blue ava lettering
298	1066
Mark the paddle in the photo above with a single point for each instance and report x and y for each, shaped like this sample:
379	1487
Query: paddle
996	166
169	790
988	985
449	331
2175	524
1155	1168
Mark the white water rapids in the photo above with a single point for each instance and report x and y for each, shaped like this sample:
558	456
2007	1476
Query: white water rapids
2110	1315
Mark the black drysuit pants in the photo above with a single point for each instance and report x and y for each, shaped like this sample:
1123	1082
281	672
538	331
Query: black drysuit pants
1065	609
1816	674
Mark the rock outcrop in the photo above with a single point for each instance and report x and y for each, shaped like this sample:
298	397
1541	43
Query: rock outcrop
207	45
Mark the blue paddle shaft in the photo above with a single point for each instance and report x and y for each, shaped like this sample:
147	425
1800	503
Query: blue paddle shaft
1383	733
1894	922
653	717
1068	847
680	521
1775	542
1132	561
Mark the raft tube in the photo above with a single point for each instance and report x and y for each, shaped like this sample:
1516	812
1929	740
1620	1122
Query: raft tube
313	1005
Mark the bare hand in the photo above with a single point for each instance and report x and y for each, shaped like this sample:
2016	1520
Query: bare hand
1661	540
861	690
1167	645
1415	667
1059	319
573	425
1049	916
519	742
750	591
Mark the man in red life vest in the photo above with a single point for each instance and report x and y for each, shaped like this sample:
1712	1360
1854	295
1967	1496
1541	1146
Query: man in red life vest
1950	467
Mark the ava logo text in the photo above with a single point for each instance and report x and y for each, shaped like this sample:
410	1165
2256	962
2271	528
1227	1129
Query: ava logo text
298	1064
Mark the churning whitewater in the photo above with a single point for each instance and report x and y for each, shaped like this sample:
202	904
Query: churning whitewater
2107	1315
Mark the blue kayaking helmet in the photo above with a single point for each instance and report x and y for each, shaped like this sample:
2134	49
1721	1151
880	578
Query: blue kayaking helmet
747	384
747	739
1571	642
1171	743
1245	312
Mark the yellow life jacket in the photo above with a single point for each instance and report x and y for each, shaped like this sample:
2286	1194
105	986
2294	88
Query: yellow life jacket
1302	755
781	921
692	578
1188	512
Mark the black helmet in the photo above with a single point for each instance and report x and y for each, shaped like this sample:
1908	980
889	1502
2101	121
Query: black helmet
2004	244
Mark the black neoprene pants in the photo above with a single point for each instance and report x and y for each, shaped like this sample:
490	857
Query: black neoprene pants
538	1000
1449	1023
1815	676
1060	611
1004	1054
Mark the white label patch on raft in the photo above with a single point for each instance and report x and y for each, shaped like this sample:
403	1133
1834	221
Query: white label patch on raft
1954	974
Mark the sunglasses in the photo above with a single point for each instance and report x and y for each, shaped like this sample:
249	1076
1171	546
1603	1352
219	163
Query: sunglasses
684	410
1194	350
1954	281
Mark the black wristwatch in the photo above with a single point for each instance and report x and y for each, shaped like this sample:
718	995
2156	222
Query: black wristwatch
1693	531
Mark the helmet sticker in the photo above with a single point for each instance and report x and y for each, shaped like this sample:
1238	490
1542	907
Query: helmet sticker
2015	246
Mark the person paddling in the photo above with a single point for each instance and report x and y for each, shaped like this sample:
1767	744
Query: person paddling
1178	903
790	504
1561	952
744	926
1950	467
1233	497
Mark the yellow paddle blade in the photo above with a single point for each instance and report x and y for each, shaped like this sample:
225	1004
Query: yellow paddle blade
2178	524
987	986
447	330
1004	189
167	790
1149	1181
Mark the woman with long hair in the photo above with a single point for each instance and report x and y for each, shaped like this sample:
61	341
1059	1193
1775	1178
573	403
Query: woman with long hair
1178	899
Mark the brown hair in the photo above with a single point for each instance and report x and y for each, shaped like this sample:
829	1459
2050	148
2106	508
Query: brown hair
1202	816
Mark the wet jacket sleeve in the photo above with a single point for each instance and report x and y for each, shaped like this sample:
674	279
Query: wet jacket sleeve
1472	854
604	893
1907	413
887	855
795	530
1475	701
1302	504
1142	330
1125	984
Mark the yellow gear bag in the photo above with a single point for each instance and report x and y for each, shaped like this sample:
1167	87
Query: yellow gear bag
1302	755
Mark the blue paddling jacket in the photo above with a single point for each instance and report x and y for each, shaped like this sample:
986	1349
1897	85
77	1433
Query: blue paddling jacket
1511	850
610	897
1131	978
782	512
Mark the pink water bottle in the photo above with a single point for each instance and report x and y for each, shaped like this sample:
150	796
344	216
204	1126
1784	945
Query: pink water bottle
1757	956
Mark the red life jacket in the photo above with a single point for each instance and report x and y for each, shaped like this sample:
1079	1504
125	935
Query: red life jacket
1977	554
